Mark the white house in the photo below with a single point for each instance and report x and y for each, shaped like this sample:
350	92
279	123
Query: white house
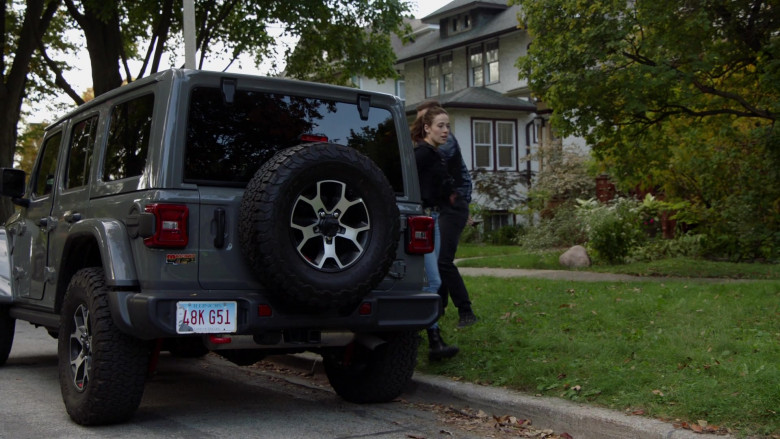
464	55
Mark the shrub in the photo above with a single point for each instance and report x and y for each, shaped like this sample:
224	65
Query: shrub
507	235
613	229
683	246
564	229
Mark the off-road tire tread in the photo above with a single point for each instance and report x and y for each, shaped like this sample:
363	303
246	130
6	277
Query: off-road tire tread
374	376
7	329
119	361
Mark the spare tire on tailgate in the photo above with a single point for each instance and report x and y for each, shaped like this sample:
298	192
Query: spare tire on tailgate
319	225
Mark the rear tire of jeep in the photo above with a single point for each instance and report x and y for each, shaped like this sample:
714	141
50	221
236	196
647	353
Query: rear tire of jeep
319	225
7	327
102	370
361	375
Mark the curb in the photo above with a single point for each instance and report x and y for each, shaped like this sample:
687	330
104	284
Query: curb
559	415
581	422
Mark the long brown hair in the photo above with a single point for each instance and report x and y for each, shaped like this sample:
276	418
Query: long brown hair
418	126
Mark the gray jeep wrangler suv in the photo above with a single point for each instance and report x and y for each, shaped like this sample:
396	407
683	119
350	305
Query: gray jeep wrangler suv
196	211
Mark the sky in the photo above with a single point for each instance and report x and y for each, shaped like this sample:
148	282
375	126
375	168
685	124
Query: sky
425	7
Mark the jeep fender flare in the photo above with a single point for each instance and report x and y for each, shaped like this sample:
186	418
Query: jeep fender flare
113	243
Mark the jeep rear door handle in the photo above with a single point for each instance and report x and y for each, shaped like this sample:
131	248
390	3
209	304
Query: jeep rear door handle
72	217
48	223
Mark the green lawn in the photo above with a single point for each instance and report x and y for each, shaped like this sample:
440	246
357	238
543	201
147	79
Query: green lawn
676	349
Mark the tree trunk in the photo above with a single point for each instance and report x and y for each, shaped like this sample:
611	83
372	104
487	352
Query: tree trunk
104	44
13	90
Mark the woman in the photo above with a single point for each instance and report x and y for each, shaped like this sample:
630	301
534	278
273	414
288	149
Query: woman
429	131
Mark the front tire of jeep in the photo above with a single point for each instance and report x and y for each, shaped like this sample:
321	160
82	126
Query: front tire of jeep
319	224
102	371
7	329
361	375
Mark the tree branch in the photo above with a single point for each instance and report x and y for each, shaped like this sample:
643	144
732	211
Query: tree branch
751	110
59	79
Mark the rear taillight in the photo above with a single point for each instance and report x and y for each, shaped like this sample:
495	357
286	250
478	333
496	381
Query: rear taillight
419	237
170	225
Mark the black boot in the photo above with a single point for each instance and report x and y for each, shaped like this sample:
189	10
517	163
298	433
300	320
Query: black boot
466	318
439	349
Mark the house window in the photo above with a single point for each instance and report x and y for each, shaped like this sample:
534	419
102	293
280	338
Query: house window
506	145
496	219
483	144
438	75
495	144
461	23
483	64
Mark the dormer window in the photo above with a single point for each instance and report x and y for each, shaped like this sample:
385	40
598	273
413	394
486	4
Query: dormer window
460	23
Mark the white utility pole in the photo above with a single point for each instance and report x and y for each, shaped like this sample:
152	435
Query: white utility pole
189	34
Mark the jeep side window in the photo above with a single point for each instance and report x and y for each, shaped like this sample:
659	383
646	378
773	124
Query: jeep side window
227	143
47	168
128	138
82	139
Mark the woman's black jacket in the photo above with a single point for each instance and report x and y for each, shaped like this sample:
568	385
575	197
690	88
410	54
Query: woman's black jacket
436	185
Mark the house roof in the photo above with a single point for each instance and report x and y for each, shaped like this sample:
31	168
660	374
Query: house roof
503	20
459	6
479	98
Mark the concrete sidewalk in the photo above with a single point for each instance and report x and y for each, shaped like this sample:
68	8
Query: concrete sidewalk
584	276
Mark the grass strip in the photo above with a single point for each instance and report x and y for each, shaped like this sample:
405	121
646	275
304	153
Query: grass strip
673	350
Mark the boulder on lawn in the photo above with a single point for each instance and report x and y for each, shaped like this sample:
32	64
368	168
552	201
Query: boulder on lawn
575	257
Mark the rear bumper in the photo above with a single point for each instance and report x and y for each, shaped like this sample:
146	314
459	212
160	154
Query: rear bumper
150	315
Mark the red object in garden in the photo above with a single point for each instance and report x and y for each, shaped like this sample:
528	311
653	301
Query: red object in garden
605	189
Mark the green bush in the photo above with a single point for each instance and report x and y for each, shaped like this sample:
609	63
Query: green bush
613	229
507	235
564	229
471	235
683	246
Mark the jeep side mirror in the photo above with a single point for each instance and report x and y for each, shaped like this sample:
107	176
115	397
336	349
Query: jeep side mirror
12	185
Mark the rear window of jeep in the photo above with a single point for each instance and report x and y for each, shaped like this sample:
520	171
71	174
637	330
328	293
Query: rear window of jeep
228	142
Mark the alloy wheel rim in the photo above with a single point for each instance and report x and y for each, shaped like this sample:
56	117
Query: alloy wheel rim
331	226
81	348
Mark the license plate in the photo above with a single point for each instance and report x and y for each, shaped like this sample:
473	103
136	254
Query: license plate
205	317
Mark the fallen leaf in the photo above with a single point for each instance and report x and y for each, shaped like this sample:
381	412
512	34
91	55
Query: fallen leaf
658	392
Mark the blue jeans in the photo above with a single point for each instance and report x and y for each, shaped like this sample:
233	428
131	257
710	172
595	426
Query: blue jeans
432	259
